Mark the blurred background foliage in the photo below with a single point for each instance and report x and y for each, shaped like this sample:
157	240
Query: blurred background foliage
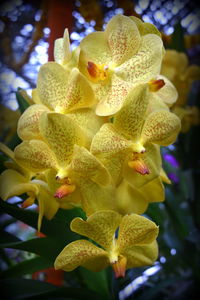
27	30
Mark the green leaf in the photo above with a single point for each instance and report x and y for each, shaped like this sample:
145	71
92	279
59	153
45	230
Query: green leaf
96	281
45	247
19	289
27	267
23	104
58	227
14	141
7	237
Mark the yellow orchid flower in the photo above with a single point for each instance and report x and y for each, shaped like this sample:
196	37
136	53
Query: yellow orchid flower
13	183
114	61
130	142
135	245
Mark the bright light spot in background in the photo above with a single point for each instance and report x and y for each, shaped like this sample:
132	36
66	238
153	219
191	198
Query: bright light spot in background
138	9
151	271
46	31
169	30
143	4
12	102
28	27
119	11
162	259
147	19
38	15
173	251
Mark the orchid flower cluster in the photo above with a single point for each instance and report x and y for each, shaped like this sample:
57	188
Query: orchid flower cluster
91	138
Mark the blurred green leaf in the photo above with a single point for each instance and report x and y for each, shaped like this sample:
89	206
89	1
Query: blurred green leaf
23	104
14	141
96	281
18	289
27	267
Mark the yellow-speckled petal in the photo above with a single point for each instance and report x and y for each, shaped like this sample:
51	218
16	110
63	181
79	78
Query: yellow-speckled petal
52	85
161	127
146	63
111	149
152	160
89	122
95	197
86	165
111	96
35	96
28	124
136	230
100	227
62	53
81	253
94	48
123	38
13	183
35	155
138	256
130	200
79	93
129	120
164	177
61	133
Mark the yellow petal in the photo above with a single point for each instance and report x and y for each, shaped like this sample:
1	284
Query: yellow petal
35	96
6	151
119	32
86	165
62	53
111	149
164	177
35	155
28	124
192	73
161	127
146	63
145	28
136	230
111	96
152	159
129	120
130	200
168	93
81	253
138	256
100	227
48	206
79	93
61	133
13	183
95	197
153	191
89	122
52	85
94	48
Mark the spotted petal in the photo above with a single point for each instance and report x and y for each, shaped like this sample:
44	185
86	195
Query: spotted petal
100	227
123	38
81	253
61	133
86	165
161	127
129	120
136	230
52	85
138	256
146	63
28	124
35	155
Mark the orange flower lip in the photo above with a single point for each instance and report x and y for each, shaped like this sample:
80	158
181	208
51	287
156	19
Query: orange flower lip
97	72
119	267
156	85
139	166
64	190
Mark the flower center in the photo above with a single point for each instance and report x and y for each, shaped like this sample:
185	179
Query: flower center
97	72
137	163
156	85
